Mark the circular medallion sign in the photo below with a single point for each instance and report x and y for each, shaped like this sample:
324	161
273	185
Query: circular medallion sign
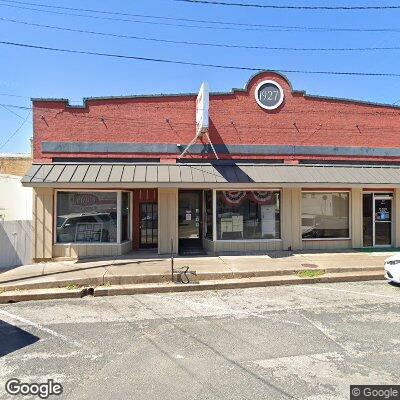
269	95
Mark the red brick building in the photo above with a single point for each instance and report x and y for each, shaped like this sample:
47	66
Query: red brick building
270	169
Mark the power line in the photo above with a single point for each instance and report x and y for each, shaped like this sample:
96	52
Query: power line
189	63
125	14
15	106
11	111
228	25
117	19
15	132
282	7
136	21
220	45
11	95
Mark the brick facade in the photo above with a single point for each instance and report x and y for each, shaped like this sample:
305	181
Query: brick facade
104	145
12	165
235	119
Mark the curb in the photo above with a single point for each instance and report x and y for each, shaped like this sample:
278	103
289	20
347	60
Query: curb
232	284
165	278
169	287
16	296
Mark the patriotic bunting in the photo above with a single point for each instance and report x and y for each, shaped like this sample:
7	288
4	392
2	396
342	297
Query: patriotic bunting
235	198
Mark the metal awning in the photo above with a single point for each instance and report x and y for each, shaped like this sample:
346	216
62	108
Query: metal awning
202	175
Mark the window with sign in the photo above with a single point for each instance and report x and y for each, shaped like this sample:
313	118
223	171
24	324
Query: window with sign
248	215
325	215
86	217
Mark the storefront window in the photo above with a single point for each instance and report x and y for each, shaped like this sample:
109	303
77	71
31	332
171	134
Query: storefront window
125	216
248	215
325	215
86	217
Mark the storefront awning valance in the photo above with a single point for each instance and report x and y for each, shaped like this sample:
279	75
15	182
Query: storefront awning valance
202	175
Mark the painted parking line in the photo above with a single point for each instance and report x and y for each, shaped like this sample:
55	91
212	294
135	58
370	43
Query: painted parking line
42	328
324	332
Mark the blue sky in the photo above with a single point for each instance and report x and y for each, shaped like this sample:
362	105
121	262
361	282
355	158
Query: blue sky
33	73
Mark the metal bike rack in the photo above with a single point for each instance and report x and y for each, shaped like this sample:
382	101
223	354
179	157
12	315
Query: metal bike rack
183	274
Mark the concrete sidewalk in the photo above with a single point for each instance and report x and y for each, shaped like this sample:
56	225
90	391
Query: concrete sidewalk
147	268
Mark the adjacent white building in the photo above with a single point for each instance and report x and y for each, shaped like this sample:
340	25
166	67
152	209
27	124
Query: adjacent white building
15	200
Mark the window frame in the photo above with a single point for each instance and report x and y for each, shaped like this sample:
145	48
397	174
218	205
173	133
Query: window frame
204	237
130	217
215	219
119	219
327	191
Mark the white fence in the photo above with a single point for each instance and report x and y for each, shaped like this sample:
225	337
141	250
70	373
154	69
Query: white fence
15	243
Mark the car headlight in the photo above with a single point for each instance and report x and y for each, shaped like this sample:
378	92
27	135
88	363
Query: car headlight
394	262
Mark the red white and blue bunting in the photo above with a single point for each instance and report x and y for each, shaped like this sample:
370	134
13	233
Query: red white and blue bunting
234	198
263	197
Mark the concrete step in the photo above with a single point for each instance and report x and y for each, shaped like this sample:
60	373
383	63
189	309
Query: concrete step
130	289
16	296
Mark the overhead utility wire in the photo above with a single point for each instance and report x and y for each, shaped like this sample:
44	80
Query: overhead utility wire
11	95
125	14
189	63
15	132
124	19
10	111
284	7
241	26
97	17
15	106
223	45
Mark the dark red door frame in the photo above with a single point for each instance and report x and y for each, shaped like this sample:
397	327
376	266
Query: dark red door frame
140	196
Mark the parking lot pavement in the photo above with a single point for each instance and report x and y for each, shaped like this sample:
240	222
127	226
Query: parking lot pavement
298	342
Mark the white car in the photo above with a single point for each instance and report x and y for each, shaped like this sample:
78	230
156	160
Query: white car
392	268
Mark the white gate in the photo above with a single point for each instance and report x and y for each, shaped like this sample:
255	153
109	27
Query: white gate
15	243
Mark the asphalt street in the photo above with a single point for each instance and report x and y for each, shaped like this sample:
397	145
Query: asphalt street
296	342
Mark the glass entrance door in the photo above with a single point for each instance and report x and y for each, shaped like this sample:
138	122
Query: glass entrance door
189	215
382	221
